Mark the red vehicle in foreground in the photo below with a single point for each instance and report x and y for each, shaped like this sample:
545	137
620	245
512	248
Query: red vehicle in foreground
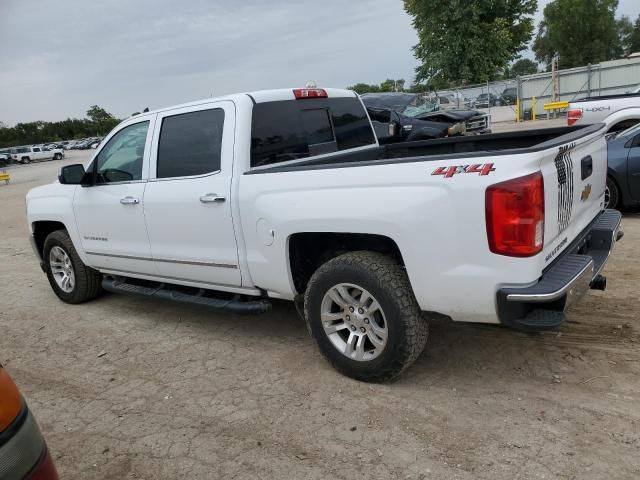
23	451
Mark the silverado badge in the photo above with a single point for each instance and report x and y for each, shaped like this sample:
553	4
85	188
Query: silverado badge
585	192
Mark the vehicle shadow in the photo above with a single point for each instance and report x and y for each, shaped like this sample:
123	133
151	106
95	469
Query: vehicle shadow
455	352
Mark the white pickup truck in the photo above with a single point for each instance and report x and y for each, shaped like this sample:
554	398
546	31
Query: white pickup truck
285	194
618	112
29	154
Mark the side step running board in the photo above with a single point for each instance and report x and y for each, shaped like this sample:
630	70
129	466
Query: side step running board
207	298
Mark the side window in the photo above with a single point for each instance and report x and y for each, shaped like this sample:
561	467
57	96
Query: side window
277	134
351	123
121	158
36	149
190	143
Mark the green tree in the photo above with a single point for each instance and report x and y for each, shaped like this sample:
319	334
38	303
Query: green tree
579	31
633	39
473	41
624	28
98	114
521	67
361	88
99	123
389	85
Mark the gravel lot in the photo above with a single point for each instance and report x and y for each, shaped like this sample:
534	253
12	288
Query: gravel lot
125	387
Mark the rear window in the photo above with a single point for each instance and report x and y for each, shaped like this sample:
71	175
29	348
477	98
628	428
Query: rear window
293	129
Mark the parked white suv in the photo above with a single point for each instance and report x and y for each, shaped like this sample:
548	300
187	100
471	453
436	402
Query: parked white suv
29	154
231	202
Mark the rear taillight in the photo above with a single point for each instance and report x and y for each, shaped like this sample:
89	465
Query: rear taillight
515	216
301	93
573	115
10	400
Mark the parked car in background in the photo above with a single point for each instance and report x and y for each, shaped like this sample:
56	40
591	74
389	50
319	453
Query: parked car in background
509	96
623	173
23	452
621	111
30	154
486	100
401	117
5	158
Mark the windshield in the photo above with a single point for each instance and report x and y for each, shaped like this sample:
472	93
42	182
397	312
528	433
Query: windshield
405	104
425	106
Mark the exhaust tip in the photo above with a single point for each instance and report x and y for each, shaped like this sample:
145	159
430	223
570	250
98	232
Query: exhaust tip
599	283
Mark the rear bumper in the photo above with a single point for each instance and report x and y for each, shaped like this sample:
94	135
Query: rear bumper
543	305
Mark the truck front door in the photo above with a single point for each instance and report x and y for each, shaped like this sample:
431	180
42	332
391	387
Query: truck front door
188	201
110	214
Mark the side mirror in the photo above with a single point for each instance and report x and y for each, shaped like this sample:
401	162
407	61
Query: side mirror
71	174
393	129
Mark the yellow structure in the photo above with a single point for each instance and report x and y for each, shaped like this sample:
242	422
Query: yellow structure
5	176
555	105
533	108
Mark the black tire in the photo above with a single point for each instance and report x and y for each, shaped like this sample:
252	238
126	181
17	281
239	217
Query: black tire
87	280
388	283
25	160
57	156
614	194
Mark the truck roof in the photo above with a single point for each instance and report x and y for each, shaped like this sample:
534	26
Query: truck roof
260	96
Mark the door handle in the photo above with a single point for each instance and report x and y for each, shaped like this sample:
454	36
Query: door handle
212	198
129	200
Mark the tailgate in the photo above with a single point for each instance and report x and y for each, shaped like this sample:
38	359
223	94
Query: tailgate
574	182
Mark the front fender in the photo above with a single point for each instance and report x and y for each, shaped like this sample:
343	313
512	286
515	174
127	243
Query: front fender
54	203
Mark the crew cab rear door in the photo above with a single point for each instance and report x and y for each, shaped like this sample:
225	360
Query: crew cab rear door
187	200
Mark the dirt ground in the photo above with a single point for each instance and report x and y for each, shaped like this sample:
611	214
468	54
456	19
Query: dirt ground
125	387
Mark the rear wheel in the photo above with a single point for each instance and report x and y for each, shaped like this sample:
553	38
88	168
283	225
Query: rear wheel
71	280
362	313
611	194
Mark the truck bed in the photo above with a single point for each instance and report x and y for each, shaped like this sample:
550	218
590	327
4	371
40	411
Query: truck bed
508	143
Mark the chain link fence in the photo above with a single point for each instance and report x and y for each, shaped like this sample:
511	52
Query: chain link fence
499	98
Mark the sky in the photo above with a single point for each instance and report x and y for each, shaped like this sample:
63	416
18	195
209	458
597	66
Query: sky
58	58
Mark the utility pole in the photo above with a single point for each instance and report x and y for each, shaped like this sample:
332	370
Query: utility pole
555	84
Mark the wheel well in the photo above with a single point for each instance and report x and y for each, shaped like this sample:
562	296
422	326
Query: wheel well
307	251
42	229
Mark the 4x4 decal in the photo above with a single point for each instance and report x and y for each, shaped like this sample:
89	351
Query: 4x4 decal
448	172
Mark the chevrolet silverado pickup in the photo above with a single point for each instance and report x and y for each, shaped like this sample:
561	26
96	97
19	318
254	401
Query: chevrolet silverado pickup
234	201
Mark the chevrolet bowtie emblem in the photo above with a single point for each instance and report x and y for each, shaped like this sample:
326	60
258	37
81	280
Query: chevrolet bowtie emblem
585	192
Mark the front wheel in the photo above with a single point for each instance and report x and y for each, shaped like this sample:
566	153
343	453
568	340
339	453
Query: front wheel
25	160
611	194
361	311
57	156
71	280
